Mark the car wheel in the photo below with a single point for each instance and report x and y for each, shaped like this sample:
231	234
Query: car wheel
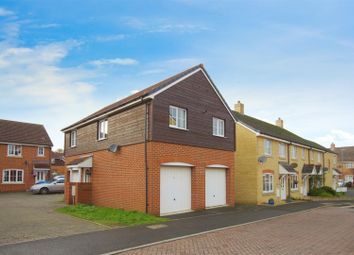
44	191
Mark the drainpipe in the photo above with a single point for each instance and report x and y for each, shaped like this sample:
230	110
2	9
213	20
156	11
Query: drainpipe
146	122
288	176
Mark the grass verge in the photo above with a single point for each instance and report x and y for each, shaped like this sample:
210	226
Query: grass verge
109	216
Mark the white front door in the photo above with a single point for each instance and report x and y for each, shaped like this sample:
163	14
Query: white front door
175	189
334	183
215	187
283	187
304	185
75	176
41	176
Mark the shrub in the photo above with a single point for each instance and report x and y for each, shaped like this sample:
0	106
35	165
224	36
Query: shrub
349	184
323	192
329	190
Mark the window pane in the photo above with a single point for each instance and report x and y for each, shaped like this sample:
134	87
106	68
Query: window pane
181	118
6	176
19	176
173	116
13	176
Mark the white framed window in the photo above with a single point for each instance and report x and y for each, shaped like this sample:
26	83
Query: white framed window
311	155
303	153
293	152
14	150
73	135
40	151
335	160
218	127
102	130
12	176
267	147
178	117
282	150
348	165
319	157
348	178
268	183
293	182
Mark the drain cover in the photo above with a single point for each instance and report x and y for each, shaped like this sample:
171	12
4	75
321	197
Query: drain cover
158	226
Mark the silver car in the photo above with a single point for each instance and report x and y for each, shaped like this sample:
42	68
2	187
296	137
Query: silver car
45	188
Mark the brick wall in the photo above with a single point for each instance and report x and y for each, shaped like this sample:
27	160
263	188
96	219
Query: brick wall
118	179
29	153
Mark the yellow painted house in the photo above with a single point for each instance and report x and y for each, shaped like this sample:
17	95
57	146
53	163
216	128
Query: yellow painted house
274	164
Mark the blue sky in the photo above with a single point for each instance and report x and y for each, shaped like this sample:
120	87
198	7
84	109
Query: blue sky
61	60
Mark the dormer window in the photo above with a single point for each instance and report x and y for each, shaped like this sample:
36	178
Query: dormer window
102	129
73	135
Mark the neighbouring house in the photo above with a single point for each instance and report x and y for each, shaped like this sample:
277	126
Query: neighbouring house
58	163
274	164
345	162
25	153
166	149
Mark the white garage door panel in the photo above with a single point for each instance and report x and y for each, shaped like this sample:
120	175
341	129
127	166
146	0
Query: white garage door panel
175	189
215	187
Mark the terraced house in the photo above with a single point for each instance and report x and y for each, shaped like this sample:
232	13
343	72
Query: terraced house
274	164
345	163
166	149
25	152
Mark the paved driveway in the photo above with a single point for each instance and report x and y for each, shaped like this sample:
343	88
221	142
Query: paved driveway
24	217
324	231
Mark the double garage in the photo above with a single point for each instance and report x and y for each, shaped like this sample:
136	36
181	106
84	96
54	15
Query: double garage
176	188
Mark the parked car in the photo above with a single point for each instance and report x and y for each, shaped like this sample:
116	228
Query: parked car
52	187
41	182
57	177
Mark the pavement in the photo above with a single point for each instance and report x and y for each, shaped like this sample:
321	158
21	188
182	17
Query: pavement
325	231
25	217
115	240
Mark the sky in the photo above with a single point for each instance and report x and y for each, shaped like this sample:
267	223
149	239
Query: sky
62	60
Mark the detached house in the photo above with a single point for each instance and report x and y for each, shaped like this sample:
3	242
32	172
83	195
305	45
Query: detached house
25	152
274	164
166	149
345	162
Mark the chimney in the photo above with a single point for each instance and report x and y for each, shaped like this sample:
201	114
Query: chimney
240	107
280	123
333	146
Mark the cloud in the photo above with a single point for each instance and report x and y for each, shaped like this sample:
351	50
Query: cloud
152	71
114	61
110	38
339	137
45	26
4	12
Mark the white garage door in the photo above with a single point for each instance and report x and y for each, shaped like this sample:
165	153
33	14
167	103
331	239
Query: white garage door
215	187
175	189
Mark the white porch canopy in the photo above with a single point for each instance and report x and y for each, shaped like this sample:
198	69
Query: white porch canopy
77	168
286	169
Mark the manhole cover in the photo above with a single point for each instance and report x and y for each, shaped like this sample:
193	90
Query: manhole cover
158	226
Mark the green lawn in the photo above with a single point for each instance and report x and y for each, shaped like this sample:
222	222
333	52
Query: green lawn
110	216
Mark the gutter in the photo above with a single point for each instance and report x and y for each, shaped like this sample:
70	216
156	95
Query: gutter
146	122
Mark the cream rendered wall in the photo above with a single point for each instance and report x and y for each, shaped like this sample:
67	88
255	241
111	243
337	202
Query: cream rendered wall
245	166
330	163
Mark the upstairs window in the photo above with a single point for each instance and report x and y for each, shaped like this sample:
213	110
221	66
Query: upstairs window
102	129
293	152
218	127
303	153
282	150
267	147
335	160
73	135
40	151
319	157
178	117
14	150
311	155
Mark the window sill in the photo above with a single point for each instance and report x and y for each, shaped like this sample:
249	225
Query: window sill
182	129
71	147
40	156
268	192
12	183
13	156
219	136
294	190
102	139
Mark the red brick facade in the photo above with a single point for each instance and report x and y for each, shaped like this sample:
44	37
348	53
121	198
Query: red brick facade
25	163
118	179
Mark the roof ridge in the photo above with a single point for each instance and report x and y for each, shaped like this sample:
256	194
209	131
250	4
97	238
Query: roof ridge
22	122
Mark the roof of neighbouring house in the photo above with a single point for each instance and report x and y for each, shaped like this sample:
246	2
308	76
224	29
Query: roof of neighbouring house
345	153
287	166
41	164
23	133
145	92
57	155
266	128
